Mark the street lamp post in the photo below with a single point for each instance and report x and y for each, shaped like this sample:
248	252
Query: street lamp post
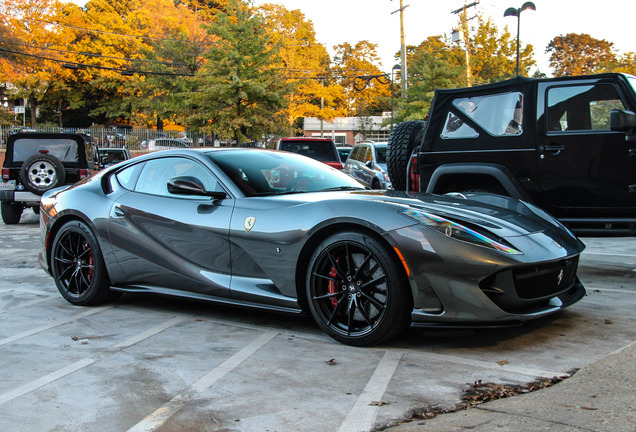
395	68
517	12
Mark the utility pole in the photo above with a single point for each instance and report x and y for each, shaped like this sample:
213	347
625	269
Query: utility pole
402	47
463	20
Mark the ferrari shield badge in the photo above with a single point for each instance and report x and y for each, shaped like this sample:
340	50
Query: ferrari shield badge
249	223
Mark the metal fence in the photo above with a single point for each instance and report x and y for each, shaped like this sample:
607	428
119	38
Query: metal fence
118	136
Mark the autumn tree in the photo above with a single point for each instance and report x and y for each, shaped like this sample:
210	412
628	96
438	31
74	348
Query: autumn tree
32	51
238	92
579	54
493	54
366	88
304	64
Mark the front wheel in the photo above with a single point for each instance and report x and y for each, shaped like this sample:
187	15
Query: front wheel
78	267
357	290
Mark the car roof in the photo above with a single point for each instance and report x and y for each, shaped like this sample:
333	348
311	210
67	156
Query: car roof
305	139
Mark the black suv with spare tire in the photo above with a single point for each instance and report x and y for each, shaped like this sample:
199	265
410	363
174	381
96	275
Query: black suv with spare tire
37	162
566	144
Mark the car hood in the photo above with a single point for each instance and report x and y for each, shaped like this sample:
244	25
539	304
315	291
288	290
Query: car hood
502	216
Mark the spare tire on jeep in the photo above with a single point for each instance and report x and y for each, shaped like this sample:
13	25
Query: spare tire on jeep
403	140
42	172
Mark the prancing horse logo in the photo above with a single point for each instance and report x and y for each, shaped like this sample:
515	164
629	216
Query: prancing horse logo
249	223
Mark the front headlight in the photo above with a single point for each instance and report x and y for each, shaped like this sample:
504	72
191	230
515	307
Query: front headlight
459	232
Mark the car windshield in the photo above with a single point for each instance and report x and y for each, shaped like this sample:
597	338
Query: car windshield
319	150
380	154
63	149
263	172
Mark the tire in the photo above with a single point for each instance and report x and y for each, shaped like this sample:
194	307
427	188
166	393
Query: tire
11	212
375	184
42	172
357	290
78	267
404	138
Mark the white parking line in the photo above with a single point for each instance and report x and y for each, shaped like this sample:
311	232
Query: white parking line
363	414
60	373
25	304
163	413
37	330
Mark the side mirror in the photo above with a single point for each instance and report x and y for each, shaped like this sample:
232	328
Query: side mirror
369	164
622	121
188	185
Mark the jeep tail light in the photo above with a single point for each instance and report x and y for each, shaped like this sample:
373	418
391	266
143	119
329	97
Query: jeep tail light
5	173
83	173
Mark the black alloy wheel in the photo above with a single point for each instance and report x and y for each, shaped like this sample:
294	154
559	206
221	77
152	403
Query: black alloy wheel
357	289
78	267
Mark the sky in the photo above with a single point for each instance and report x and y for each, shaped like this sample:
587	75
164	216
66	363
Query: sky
338	21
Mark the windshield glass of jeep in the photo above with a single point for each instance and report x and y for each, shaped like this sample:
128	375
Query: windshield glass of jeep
499	114
63	149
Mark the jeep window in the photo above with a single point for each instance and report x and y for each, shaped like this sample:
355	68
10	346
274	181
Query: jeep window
582	107
455	128
63	149
499	114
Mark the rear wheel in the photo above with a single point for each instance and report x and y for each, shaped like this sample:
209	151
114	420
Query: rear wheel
404	138
78	267
11	212
357	289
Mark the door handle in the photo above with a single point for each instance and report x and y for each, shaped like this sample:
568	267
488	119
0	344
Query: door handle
119	212
554	148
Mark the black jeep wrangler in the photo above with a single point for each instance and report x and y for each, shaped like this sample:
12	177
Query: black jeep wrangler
37	162
566	144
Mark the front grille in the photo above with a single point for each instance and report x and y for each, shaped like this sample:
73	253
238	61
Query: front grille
545	280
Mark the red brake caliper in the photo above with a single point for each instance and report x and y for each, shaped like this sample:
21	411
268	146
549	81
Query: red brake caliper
332	287
89	275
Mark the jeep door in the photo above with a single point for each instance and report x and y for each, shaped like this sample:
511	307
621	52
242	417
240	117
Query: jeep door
583	168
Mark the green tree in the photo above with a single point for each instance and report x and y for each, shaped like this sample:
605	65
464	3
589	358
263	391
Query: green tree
434	64
579	54
238	92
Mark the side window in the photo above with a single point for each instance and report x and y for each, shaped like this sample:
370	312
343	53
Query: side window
355	153
368	157
582	107
127	178
156	173
498	114
455	128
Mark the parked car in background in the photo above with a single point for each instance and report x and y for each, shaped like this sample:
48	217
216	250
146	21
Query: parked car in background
37	162
344	152
111	156
321	149
566	144
367	163
165	143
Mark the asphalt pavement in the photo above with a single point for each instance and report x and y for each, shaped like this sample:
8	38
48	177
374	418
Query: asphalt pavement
156	364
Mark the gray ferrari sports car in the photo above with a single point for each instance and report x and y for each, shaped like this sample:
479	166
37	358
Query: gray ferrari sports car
282	232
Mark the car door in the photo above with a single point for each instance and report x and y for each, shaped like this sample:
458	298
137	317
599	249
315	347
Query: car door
584	168
177	242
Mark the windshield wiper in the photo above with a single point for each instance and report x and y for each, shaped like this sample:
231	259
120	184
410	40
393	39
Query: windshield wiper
341	188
